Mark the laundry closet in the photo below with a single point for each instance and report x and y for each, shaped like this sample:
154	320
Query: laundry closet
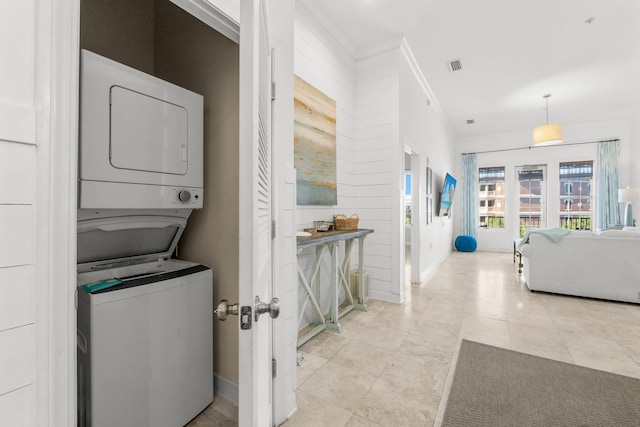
158	38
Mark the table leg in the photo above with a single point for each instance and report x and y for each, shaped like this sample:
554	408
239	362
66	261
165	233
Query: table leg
362	291
520	265
311	286
332	322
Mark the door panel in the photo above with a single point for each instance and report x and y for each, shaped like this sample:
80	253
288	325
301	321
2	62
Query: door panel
255	214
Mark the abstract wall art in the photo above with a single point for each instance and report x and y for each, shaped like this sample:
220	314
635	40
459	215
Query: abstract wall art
314	133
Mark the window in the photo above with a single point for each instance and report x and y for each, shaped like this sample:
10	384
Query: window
531	197
407	198
491	197
575	195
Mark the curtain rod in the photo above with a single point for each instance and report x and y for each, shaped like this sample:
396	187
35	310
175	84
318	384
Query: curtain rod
543	146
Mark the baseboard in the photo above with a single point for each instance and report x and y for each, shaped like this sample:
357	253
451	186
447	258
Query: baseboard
432	268
225	388
384	296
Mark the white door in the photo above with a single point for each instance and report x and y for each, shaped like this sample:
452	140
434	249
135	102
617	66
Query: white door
255	215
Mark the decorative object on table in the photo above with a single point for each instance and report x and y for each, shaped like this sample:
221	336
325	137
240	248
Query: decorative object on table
466	243
628	196
311	230
323	225
314	138
548	134
343	223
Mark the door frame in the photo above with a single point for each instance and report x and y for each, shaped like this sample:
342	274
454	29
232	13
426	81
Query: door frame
254	343
418	213
58	41
56	98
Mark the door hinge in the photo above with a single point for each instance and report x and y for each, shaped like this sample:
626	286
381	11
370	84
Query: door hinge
273	229
273	91
274	368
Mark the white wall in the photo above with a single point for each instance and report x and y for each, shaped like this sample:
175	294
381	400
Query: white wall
381	106
380	169
281	19
37	213
18	172
424	129
320	60
501	240
393	112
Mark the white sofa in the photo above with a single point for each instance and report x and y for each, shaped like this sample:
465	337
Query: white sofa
605	266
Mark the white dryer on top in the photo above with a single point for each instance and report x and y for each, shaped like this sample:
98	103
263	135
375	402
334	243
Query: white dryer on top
141	139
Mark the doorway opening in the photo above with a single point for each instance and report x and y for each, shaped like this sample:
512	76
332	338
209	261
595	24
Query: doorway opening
412	217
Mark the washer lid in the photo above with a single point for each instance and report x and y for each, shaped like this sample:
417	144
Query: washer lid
124	240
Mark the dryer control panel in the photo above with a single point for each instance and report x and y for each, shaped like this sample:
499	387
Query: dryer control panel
117	195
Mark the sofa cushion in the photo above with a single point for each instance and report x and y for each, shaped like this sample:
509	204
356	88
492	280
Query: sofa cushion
619	233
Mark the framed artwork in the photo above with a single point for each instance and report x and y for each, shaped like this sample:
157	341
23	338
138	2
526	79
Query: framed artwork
314	134
429	187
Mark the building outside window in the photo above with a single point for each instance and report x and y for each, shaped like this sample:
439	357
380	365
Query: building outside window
407	198
491	197
575	195
531	198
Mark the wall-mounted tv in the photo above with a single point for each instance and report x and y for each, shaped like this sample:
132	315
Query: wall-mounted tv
446	198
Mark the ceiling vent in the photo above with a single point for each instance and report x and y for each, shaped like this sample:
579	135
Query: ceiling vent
455	65
470	121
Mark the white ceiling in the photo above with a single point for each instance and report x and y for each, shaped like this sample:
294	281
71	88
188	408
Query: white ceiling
512	52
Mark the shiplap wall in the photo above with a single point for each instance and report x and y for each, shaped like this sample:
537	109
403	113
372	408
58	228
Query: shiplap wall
379	171
376	97
18	160
320	60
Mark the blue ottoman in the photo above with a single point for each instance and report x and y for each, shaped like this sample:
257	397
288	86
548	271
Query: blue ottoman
466	243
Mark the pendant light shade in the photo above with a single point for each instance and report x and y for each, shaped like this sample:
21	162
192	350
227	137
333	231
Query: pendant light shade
548	134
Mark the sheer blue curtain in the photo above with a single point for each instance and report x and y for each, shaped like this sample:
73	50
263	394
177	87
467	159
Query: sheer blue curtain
469	195
607	191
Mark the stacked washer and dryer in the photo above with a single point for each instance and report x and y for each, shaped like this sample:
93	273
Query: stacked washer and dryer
145	333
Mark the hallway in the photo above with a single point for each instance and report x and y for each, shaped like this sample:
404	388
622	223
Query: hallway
391	365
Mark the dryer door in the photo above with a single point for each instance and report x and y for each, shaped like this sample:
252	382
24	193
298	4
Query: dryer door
147	134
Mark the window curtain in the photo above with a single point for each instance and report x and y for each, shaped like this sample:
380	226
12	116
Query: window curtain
607	207
469	195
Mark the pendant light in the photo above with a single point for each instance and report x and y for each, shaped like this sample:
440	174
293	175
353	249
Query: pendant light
550	133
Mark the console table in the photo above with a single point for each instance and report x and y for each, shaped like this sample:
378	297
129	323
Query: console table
339	279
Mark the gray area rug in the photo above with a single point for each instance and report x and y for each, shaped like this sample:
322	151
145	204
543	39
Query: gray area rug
495	387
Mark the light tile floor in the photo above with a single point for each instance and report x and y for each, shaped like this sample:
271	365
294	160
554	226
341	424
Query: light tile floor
393	364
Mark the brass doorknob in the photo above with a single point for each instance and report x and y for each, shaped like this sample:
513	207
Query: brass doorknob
224	309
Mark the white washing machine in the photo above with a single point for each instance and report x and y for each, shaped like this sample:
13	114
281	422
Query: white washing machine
145	331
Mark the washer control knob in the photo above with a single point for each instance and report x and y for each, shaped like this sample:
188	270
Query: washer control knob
184	196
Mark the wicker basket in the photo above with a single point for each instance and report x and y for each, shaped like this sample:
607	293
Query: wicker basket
344	223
